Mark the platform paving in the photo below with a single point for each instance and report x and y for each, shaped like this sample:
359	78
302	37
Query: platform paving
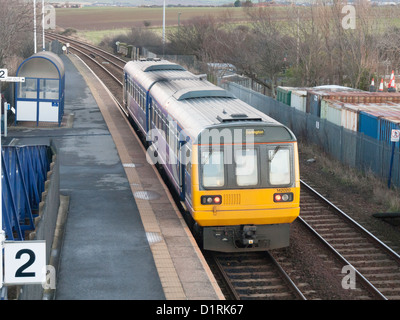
116	245
105	252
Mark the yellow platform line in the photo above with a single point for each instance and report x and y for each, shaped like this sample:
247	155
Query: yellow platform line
169	278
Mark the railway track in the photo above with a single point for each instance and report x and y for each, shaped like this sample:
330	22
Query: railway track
107	56
371	267
252	276
376	266
108	67
259	275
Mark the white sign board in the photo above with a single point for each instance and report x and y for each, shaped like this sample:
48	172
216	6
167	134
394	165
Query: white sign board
24	262
3	74
13	79
395	135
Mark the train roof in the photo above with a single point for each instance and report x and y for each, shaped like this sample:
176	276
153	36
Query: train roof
191	100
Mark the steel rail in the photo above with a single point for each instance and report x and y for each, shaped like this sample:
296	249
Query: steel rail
369	286
102	67
287	279
227	281
85	44
385	247
290	285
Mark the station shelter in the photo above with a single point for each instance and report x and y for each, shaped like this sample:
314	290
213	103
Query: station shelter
41	97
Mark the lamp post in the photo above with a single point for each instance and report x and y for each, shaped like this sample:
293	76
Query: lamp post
34	26
179	24
163	34
44	44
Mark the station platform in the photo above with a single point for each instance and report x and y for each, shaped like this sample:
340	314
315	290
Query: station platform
124	238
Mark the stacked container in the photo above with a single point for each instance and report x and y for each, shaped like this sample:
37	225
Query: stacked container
373	113
317	94
299	100
283	94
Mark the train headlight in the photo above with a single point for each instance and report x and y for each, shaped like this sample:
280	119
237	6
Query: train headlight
283	197
211	200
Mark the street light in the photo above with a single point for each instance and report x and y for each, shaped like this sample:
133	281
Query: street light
179	25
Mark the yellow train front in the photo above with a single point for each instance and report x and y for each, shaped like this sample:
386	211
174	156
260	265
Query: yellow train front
245	186
233	167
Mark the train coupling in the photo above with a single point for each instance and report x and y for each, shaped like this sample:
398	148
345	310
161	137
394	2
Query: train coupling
246	237
249	236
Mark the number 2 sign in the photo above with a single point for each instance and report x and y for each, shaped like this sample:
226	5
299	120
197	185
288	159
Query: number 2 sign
25	262
3	73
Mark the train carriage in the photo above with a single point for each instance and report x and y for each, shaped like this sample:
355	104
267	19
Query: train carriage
235	169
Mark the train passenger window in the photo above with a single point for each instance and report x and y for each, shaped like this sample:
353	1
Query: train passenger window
279	166
164	123
246	167
131	87
153	113
134	91
213	168
160	122
143	101
157	119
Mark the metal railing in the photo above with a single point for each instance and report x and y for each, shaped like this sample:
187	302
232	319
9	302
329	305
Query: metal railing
24	173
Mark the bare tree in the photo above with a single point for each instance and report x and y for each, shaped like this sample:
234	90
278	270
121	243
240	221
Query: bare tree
192	36
271	55
15	22
311	43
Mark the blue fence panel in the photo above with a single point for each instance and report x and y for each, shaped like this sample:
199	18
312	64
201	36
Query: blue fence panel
23	181
369	124
386	126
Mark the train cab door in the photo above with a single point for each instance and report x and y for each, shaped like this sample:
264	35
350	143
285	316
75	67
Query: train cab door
149	112
181	169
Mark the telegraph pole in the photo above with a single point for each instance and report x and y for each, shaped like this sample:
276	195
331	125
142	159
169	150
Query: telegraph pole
163	34
44	44
34	25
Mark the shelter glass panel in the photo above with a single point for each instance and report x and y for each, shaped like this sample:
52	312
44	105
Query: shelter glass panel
28	89
49	89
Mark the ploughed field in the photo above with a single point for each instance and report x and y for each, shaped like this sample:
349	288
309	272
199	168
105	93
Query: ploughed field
106	18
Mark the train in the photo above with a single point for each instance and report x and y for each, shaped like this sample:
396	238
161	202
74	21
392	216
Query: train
234	169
